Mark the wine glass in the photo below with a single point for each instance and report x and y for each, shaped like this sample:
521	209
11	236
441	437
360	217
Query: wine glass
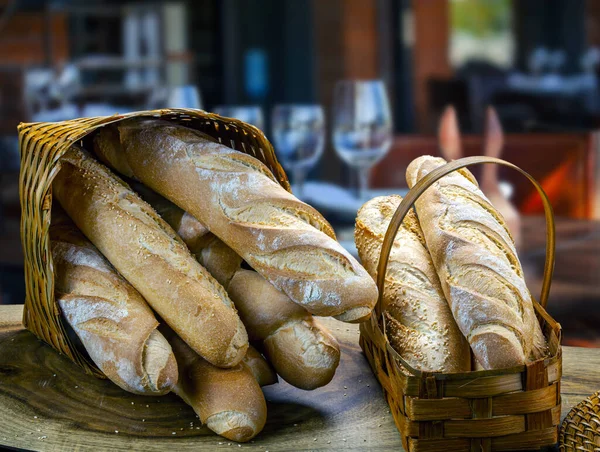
184	96
251	114
362	126
299	136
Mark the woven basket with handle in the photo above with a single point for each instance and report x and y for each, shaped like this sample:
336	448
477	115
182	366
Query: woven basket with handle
42	145
488	410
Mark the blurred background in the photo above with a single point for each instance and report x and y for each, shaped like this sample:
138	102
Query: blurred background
349	92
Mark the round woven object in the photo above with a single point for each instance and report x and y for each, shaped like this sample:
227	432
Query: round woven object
580	431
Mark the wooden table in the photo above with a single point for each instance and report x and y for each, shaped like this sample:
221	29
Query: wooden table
47	403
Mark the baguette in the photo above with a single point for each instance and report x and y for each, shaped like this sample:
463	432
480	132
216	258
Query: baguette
302	351
420	325
222	263
148	253
229	401
112	320
480	272
238	199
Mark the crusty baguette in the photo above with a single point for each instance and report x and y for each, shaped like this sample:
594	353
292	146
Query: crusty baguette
150	255
261	369
229	401
222	262
111	319
239	200
420	325
301	350
214	255
192	232
479	270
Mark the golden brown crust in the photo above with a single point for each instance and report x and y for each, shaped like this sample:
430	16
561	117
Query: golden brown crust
191	231
301	350
229	401
479	269
110	141
420	324
112	320
214	255
220	260
237	198
150	255
261	306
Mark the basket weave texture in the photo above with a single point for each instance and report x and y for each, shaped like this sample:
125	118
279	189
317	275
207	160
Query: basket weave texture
488	410
41	146
580	431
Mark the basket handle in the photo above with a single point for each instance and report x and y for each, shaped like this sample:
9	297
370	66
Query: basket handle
422	185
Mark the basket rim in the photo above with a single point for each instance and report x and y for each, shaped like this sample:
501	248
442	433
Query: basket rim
93	123
371	327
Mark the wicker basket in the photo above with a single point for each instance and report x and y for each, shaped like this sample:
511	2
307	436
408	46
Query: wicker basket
580	431
490	410
42	145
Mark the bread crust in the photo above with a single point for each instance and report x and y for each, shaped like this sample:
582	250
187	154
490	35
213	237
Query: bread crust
238	199
214	255
301	350
229	401
192	232
148	253
478	266
420	326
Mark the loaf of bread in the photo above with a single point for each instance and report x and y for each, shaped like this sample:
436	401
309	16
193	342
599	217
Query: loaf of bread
420	326
152	257
475	258
302	351
111	319
229	401
238	199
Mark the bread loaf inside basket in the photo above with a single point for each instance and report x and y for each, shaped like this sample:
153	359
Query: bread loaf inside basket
484	410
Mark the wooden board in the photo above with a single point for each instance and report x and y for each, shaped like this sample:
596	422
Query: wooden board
47	403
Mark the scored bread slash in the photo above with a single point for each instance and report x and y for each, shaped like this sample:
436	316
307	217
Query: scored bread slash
196	306
238	199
